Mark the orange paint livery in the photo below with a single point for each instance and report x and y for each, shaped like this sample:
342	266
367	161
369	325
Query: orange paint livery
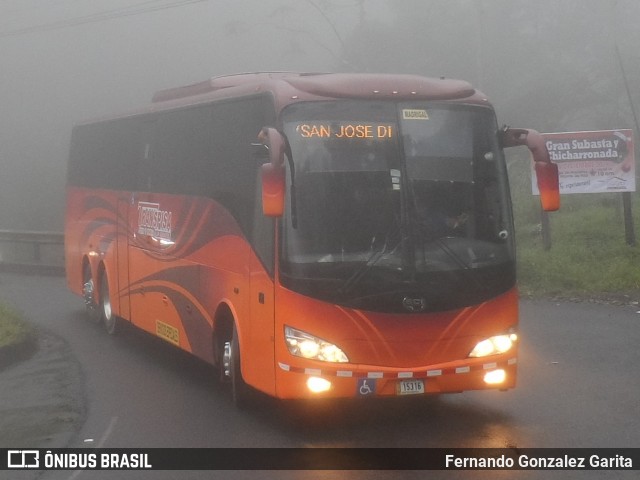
305	265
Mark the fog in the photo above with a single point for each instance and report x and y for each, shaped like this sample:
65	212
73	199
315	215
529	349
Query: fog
553	65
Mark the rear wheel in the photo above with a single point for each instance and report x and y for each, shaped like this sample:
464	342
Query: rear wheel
106	312
89	294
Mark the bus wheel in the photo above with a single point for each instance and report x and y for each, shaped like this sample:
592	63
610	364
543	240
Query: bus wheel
240	391
109	319
89	295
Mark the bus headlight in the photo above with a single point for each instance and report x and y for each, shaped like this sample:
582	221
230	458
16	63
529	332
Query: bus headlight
303	345
494	345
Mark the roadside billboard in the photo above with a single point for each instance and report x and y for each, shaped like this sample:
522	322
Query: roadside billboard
592	162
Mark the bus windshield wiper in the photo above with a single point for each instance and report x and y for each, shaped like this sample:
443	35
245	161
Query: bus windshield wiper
360	272
371	261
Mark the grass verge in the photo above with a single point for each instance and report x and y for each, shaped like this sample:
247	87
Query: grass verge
588	256
13	329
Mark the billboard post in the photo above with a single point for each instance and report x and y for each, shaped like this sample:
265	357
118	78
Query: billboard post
629	232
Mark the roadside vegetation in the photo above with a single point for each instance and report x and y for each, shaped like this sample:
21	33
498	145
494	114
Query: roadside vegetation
13	329
589	256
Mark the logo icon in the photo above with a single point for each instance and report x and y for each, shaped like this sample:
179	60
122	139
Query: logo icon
23	459
366	386
414	304
154	222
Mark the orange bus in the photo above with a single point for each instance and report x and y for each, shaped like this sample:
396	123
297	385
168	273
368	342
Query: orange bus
310	235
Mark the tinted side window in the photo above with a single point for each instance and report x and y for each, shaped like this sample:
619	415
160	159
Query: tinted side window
181	145
206	151
236	126
104	155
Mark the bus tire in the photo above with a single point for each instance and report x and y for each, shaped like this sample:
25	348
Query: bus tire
106	311
240	391
92	309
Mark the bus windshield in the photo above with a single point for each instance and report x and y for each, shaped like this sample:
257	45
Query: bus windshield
397	206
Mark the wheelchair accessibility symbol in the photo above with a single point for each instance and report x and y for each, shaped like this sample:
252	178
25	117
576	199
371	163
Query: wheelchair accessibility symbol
366	386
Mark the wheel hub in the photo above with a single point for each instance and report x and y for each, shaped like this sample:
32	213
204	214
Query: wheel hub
226	360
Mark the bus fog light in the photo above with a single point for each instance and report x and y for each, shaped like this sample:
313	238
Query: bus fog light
318	385
495	377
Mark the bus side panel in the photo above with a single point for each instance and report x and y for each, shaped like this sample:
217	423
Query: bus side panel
72	232
91	233
186	258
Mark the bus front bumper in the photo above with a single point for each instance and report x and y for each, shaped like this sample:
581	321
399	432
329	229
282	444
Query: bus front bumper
351	381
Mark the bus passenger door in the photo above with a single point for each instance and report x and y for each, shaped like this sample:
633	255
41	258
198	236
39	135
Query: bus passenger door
262	304
261	353
122	255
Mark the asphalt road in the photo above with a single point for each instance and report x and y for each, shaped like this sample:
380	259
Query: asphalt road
578	387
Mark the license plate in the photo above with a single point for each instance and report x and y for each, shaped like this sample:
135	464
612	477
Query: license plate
410	387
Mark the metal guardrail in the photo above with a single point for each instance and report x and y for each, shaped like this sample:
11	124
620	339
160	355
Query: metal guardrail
41	252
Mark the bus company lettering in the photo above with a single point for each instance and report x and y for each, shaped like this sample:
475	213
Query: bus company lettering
152	221
345	131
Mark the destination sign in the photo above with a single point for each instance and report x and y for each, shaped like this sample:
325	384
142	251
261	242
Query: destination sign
374	131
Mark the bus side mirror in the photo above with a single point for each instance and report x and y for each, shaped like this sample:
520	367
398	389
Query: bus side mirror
546	171
273	173
548	185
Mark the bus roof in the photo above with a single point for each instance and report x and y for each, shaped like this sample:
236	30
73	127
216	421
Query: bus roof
288	87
